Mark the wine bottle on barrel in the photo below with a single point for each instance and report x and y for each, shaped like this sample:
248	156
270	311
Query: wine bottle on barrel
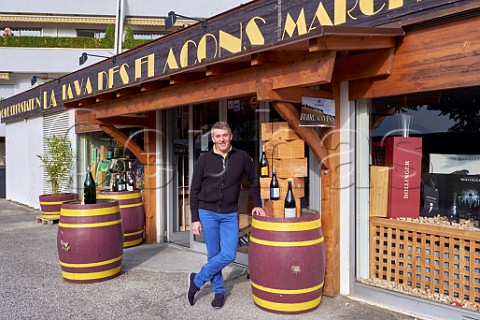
263	164
290	205
274	187
89	189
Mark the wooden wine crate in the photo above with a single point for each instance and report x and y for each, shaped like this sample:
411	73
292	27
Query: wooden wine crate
438	259
278	131
289	168
379	179
276	208
283	149
298	187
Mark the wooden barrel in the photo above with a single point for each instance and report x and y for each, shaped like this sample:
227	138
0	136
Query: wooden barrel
286	263
50	204
133	214
90	241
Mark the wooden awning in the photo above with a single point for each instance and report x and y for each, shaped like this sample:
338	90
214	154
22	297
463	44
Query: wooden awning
281	73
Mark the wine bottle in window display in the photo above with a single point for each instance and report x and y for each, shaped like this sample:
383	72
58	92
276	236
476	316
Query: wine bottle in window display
274	187
454	214
290	205
263	164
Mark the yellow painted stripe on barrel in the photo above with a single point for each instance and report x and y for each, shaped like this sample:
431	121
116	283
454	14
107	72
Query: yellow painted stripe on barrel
286	243
89	225
292	226
50	203
50	213
125	206
120	196
133	233
90	265
287	307
286	291
127	244
89	212
91	275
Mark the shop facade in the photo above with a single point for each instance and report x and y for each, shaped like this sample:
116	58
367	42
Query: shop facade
377	61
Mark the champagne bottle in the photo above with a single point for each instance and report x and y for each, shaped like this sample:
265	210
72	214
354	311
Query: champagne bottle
263	164
89	189
114	183
290	205
274	187
454	215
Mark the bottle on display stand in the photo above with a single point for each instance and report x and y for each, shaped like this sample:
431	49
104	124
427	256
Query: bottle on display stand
89	188
130	178
290	205
263	164
274	186
454	214
114	183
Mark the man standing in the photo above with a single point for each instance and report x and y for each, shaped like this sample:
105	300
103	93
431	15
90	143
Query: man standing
214	193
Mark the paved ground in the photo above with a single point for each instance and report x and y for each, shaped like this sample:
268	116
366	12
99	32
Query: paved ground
151	286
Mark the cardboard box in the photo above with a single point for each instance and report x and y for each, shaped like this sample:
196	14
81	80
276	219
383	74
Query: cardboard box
275	208
278	131
404	156
298	187
290	168
379	177
283	149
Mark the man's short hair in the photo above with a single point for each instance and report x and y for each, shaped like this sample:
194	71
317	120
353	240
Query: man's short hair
221	125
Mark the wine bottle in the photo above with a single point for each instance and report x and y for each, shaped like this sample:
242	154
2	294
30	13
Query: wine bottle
454	215
290	205
263	164
130	178
114	183
89	189
274	187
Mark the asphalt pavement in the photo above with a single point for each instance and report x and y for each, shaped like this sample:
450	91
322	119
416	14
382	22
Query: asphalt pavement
152	284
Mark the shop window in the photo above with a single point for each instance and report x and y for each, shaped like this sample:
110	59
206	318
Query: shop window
425	173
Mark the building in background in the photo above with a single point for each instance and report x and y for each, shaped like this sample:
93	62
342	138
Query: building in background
48	39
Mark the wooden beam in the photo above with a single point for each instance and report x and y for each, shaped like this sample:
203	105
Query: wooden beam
150	186
335	43
186	77
223	68
126	141
268	57
370	64
125	92
87	101
311	70
105	96
292	95
288	112
155	85
446	61
330	205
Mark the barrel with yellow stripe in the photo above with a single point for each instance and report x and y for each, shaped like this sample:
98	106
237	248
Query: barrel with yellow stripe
133	214
90	241
50	204
286	263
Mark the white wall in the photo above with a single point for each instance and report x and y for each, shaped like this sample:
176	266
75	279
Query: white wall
24	174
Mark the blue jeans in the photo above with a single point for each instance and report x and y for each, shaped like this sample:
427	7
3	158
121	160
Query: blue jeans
220	231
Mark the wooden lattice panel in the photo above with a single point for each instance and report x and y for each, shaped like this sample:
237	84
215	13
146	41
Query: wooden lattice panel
438	259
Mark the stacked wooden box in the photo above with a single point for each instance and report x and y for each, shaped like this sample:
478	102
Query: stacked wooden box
285	150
